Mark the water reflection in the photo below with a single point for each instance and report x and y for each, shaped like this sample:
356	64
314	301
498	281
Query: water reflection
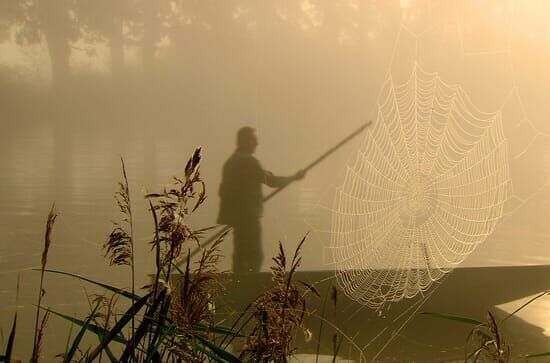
536	313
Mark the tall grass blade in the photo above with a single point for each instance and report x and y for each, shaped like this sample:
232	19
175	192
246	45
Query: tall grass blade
336	345
67	344
160	330
320	329
220	330
180	271
11	339
143	327
115	331
228	357
209	354
547	292
153	349
116	290
460	319
84	357
110	355
480	333
538	355
91	327
237	331
76	342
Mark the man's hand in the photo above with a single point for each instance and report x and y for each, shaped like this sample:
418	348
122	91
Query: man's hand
300	175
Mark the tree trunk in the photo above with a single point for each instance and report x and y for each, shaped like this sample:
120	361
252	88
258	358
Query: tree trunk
55	24
116	44
150	36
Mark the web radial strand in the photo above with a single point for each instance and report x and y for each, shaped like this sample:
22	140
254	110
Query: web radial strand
427	186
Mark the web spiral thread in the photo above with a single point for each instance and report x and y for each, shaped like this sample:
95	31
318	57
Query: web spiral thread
427	186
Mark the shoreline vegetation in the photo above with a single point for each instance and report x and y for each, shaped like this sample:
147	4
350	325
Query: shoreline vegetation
174	318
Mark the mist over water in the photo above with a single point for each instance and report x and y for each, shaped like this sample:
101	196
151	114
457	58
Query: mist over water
83	84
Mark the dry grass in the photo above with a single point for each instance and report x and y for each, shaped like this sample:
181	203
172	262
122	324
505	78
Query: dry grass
120	243
39	338
52	215
192	305
172	230
39	331
119	246
488	342
278	313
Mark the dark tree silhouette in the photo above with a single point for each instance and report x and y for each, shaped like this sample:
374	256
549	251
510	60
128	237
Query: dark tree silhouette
111	21
49	20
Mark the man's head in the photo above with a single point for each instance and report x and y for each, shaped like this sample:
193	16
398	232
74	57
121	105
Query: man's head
247	139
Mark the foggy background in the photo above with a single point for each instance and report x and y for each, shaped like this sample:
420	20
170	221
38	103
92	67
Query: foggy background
84	83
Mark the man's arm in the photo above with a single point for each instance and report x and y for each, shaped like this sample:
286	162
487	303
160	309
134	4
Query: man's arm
275	181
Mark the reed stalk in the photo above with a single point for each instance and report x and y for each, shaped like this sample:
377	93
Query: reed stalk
120	244
38	332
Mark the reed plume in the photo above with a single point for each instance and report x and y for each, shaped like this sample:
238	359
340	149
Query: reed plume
39	331
278	313
170	209
488	342
192	303
47	237
120	243
119	246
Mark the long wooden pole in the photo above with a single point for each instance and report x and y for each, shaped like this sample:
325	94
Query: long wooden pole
311	165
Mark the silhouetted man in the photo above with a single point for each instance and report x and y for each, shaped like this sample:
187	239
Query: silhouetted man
241	205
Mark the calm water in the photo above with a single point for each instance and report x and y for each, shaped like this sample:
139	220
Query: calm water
82	188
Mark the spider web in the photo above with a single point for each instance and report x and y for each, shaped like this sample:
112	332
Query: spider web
431	179
472	159
427	186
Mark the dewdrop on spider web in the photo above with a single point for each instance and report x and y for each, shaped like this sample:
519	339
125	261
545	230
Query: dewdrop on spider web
427	186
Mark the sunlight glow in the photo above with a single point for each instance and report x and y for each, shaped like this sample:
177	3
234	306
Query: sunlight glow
405	3
535	313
